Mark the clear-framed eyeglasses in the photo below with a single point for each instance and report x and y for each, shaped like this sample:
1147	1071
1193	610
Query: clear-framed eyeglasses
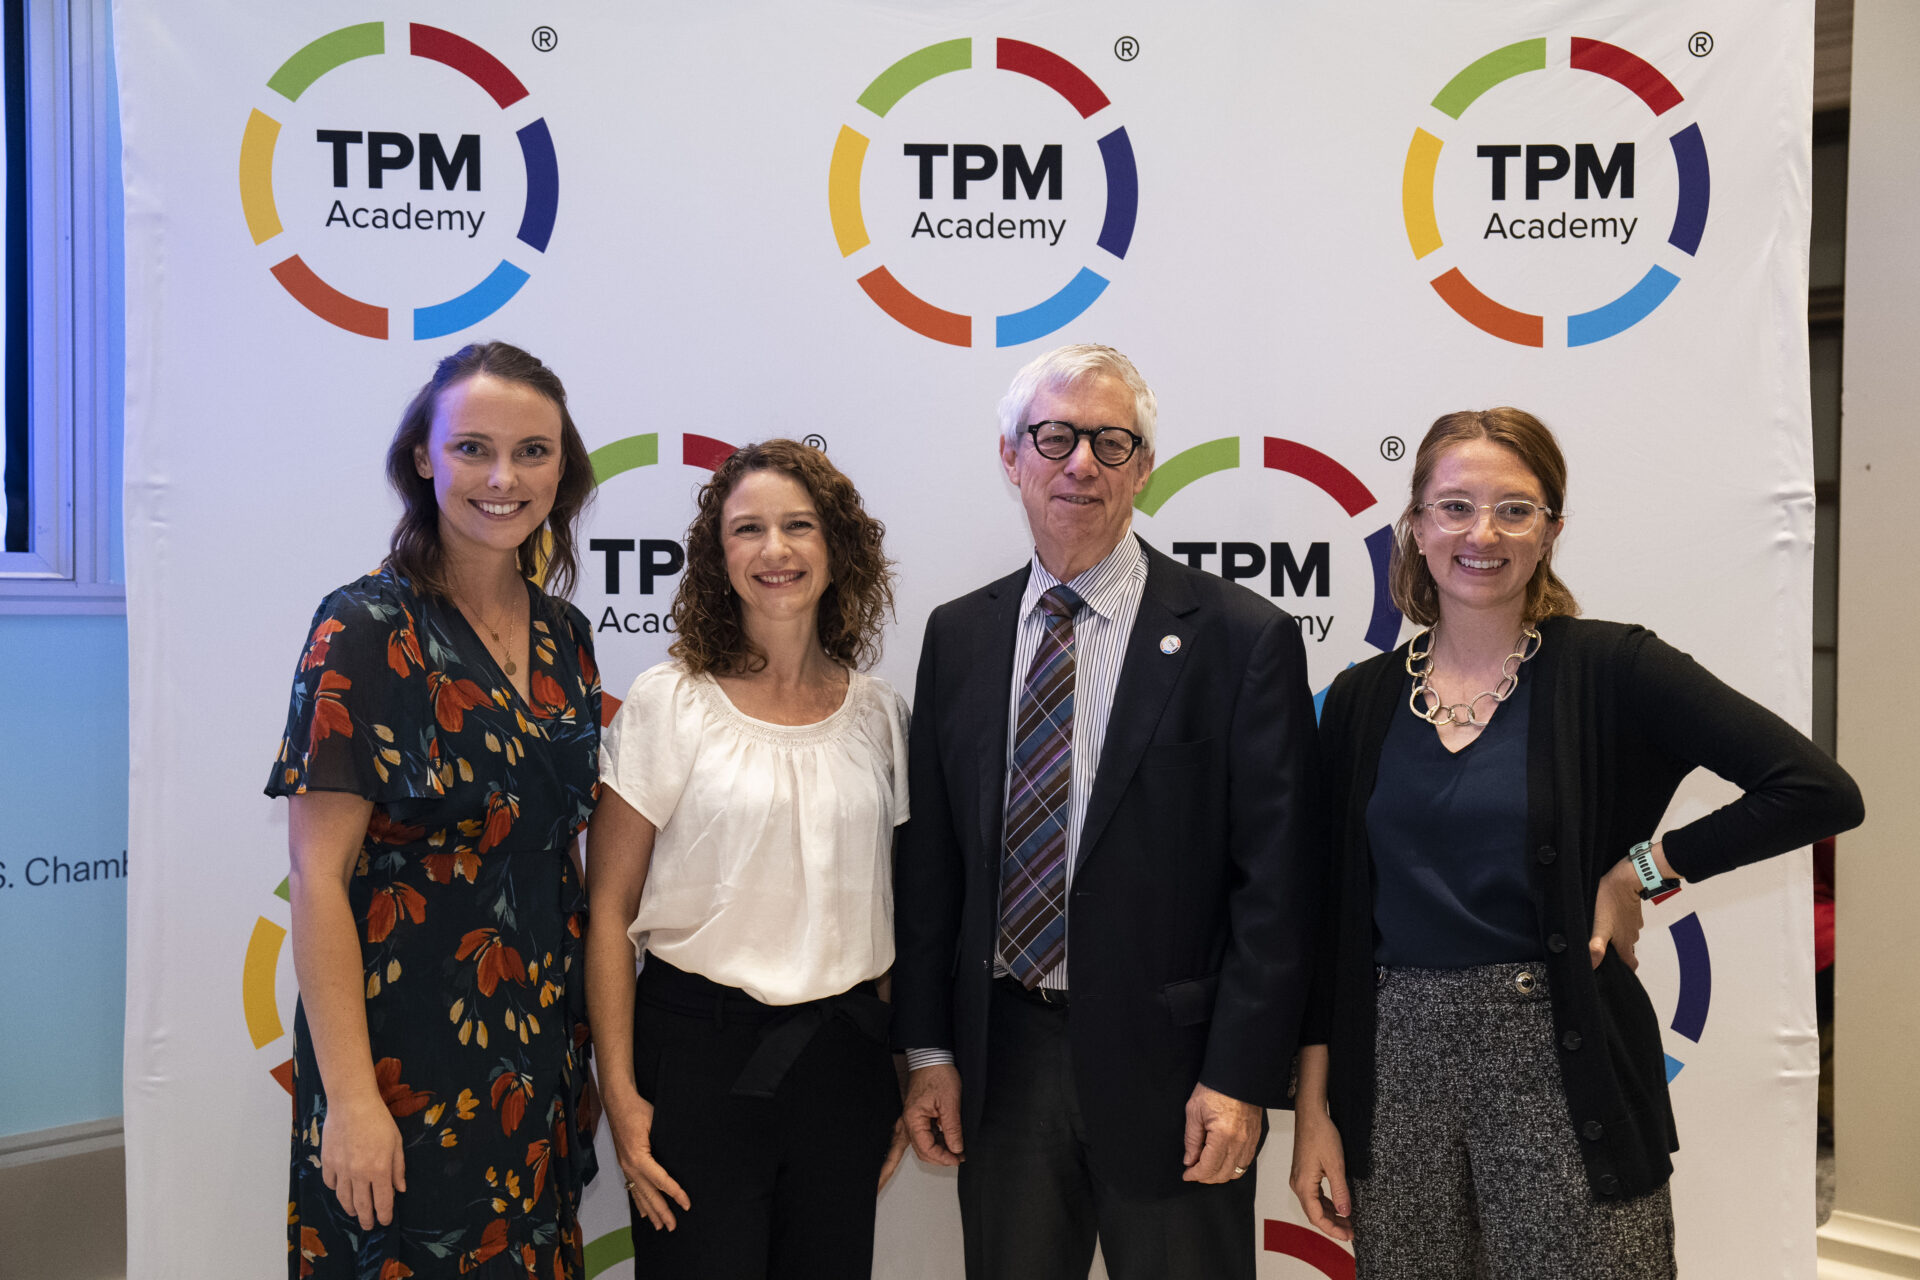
1112	446
1515	517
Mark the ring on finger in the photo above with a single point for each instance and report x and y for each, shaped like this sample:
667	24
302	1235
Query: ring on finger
1239	1169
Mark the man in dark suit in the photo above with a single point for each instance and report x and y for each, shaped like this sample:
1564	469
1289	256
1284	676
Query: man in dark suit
1105	897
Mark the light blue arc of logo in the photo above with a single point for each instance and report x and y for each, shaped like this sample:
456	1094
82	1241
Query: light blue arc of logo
471	307
1038	321
1625	311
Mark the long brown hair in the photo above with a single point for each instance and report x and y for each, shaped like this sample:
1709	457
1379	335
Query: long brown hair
1408	577
415	551
855	605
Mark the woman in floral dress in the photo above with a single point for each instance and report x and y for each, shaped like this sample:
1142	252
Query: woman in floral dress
440	756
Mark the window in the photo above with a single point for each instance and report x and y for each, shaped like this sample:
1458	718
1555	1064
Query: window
59	553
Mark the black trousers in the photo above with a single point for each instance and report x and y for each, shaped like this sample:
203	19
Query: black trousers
1031	1208
782	1187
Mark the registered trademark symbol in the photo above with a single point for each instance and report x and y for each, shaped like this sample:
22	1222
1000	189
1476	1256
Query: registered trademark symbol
1393	448
816	442
1700	44
545	38
1126	48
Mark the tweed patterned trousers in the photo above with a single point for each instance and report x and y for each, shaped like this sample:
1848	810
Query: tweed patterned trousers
1476	1168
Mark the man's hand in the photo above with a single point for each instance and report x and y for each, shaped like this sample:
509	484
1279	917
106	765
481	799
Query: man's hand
1222	1135
932	1113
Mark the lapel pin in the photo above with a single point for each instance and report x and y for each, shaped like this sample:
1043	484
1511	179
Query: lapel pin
1169	644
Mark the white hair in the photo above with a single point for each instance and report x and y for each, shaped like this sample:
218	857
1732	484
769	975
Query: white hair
1064	366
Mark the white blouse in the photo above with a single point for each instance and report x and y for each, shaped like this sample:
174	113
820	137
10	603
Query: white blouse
772	868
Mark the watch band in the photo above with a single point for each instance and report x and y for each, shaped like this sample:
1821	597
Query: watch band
1653	886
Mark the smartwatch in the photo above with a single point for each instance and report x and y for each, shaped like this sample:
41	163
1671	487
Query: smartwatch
1653	887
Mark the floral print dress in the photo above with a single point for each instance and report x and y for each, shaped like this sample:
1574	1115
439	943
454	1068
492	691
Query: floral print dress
471	919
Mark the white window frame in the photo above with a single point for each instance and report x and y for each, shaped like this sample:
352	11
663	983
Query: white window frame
69	566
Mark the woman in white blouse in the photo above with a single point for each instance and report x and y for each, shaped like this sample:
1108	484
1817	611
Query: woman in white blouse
743	842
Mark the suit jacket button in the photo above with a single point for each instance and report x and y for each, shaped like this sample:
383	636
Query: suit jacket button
1571	1040
1556	943
1592	1130
1545	855
1608	1184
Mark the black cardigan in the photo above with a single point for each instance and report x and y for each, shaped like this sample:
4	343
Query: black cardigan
1618	719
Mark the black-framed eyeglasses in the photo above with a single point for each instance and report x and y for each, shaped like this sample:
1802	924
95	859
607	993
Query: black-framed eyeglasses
1055	440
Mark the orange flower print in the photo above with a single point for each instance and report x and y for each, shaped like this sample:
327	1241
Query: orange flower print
537	1154
329	713
589	672
400	1099
310	1248
511	1090
452	699
502	809
441	868
548	698
384	829
322	640
493	960
394	1269
493	1242
384	911
403	647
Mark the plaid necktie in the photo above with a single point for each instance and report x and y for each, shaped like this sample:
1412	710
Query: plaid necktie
1033	865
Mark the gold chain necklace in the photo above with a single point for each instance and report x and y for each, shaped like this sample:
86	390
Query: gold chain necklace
506	650
1420	667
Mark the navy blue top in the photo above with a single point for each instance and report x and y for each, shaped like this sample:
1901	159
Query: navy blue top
1448	832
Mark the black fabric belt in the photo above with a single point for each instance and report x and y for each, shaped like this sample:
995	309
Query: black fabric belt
1047	997
785	1029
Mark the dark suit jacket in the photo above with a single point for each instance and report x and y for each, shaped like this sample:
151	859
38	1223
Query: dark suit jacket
1197	886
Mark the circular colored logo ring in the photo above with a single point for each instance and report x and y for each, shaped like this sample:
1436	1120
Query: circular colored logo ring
368	39
850	226
1324	473
1696	984
1638	77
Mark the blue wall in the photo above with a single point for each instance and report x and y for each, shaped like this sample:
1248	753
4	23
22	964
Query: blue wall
63	816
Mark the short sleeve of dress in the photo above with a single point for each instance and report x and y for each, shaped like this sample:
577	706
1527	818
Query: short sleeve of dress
358	720
899	719
647	753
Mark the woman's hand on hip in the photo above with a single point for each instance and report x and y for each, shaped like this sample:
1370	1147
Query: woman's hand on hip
653	1189
1319	1158
362	1160
1616	915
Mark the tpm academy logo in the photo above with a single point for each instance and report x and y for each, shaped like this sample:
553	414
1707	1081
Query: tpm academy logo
390	192
1554	167
1329	570
1004	190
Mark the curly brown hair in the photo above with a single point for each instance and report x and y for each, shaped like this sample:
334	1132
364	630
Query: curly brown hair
1408	578
855	605
414	551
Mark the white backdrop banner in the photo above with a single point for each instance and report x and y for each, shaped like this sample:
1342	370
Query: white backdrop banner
1315	228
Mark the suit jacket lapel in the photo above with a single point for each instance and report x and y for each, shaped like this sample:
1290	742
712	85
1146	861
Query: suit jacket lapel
1147	678
992	685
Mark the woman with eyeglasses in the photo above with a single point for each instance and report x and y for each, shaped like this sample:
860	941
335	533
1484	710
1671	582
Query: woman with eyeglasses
1482	1090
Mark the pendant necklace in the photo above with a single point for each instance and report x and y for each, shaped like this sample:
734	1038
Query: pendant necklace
1420	667
506	651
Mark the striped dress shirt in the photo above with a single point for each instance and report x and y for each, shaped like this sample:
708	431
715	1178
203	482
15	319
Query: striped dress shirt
1112	591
